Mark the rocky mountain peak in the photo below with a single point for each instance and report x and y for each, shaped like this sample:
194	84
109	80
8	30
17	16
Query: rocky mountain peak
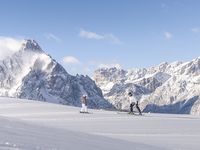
31	45
32	74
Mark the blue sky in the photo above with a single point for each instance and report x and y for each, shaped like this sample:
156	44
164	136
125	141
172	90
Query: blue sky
85	34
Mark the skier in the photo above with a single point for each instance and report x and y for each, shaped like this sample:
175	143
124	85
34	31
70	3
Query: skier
84	102
133	102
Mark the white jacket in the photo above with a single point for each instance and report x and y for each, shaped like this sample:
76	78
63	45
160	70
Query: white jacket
132	99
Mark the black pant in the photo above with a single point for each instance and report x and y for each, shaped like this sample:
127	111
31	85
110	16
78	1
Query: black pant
137	106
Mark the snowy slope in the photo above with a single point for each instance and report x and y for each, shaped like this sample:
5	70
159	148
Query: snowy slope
36	125
166	88
32	74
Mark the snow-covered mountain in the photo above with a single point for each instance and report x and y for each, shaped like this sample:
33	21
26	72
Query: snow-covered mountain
167	88
32	74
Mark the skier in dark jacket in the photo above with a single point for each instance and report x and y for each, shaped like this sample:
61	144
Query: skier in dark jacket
133	102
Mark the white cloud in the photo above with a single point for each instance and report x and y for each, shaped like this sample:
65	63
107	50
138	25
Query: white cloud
70	60
195	30
90	35
51	36
113	39
8	46
168	35
95	36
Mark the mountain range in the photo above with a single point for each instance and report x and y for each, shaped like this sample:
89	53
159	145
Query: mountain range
30	73
166	88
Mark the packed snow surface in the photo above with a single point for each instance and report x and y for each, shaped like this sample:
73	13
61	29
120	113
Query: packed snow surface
34	125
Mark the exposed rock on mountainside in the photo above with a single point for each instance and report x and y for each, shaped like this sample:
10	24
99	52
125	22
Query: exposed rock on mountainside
167	88
32	74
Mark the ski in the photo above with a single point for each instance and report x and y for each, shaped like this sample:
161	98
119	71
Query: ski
85	112
130	113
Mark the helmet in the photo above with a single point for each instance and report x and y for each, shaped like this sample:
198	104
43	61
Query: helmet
130	93
84	95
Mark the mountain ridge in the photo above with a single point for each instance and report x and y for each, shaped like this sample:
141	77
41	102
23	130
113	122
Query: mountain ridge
32	74
168	87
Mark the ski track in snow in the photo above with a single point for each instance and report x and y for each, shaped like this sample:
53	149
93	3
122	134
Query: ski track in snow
33	125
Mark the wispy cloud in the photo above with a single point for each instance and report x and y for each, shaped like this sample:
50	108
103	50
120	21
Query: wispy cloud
168	35
70	60
95	36
90	35
51	36
8	46
195	30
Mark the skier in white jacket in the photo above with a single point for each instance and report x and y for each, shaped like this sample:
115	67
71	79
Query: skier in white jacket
84	102
133	102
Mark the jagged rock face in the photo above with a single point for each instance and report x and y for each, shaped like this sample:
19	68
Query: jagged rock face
167	88
32	74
